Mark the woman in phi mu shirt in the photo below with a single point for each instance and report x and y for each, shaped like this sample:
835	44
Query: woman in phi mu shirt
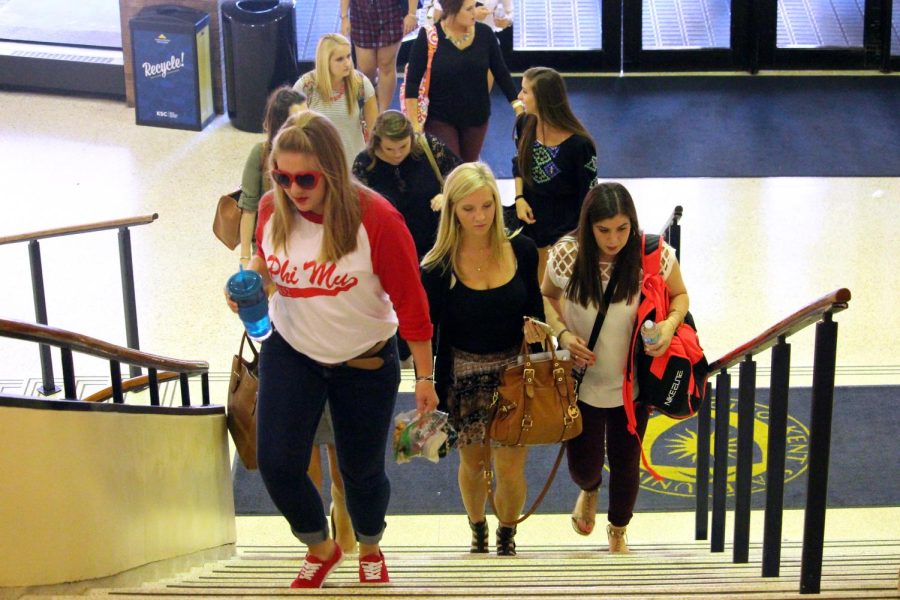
341	268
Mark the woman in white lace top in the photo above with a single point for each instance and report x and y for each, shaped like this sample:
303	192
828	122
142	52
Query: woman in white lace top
606	245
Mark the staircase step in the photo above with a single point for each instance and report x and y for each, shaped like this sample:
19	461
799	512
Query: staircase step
854	569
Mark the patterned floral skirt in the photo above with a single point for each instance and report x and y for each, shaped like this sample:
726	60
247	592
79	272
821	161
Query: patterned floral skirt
475	378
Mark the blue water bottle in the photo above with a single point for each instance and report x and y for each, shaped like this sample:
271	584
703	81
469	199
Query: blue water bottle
246	288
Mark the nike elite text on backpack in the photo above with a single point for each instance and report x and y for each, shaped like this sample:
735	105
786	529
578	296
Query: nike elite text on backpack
674	383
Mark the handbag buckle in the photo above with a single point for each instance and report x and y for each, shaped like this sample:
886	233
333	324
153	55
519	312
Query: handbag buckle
527	422
528	375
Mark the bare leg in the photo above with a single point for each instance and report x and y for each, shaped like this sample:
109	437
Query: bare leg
387	75
509	467
340	518
473	460
366	61
315	468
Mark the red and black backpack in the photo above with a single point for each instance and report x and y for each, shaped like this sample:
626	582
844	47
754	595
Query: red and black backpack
674	383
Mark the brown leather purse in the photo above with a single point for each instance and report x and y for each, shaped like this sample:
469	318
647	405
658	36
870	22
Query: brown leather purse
535	402
227	221
241	415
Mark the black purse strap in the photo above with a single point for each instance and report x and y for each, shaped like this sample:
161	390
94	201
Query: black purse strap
601	314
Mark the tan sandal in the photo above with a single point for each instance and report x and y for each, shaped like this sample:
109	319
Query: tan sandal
585	511
618	543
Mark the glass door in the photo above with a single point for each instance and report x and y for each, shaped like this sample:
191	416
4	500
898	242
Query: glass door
568	35
687	34
825	34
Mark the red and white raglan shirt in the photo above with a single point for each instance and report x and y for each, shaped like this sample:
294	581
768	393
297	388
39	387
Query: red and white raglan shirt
333	312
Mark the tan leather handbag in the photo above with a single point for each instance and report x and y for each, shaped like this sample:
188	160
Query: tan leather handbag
535	402
227	221
241	415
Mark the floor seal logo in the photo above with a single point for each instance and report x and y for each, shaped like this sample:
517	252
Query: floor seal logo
671	448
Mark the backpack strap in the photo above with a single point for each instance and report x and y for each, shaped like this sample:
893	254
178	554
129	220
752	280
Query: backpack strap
651	251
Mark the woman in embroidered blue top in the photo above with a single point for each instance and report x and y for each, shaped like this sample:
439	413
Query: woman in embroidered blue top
555	162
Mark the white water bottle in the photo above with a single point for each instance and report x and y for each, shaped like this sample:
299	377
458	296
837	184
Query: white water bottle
649	332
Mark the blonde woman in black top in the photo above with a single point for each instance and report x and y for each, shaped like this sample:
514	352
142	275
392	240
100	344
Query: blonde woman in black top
481	284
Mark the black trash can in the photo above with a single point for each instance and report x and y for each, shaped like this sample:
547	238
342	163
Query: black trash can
170	50
260	45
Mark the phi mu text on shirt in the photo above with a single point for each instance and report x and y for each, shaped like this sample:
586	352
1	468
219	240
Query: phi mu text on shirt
334	311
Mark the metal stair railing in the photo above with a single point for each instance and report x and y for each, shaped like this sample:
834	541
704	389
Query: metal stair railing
126	268
68	342
821	313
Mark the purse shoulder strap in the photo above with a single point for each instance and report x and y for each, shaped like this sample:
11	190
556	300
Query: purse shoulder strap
426	147
246	338
489	476
432	36
601	315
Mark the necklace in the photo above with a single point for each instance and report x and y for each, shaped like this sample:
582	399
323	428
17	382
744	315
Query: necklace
483	262
459	42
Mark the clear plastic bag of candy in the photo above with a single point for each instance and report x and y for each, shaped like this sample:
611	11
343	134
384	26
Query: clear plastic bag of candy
423	436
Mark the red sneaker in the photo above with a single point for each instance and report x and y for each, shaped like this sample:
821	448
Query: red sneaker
372	569
315	570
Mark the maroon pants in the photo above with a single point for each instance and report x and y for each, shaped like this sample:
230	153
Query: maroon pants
465	142
605	433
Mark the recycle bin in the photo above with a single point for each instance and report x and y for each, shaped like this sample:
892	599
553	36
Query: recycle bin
260	45
172	67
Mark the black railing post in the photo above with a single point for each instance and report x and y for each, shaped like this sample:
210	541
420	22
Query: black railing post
701	520
673	232
185	392
720	461
126	268
777	444
744	472
115	374
819	452
153	382
204	387
68	368
40	315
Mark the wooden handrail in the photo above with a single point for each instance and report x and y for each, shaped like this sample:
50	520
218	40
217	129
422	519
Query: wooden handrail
45	334
73	229
834	302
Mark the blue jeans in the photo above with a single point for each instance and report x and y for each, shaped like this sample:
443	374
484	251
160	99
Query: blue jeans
292	393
